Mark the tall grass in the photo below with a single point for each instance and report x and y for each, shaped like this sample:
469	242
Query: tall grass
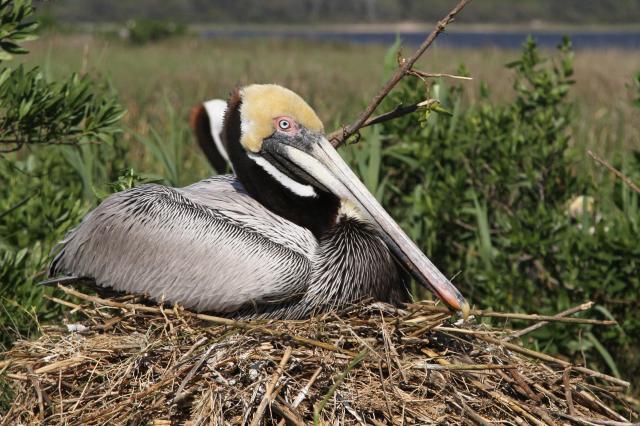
159	83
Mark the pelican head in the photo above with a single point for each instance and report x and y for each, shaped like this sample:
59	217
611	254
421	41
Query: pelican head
278	149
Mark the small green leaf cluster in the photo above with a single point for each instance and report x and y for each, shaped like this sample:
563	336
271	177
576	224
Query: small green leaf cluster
36	111
70	112
492	194
13	28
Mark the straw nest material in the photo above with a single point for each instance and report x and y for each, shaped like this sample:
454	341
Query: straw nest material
130	363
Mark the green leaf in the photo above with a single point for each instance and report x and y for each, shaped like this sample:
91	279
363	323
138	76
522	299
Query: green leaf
439	109
604	353
4	75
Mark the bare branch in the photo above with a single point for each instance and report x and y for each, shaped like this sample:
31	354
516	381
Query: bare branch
399	111
423	74
396	77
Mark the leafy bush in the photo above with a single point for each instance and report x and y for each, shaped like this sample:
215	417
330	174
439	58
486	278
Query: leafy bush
34	111
44	191
143	31
486	192
69	112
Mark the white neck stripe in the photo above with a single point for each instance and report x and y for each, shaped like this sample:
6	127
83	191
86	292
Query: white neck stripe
218	142
295	187
215	110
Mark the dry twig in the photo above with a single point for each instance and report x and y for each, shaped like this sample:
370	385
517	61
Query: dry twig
580	308
268	397
518	316
549	358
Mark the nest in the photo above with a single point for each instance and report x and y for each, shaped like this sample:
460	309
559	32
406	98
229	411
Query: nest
130	363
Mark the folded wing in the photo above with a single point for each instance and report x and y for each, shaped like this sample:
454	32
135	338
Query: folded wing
209	247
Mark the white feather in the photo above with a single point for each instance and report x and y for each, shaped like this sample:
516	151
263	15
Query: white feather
215	110
295	187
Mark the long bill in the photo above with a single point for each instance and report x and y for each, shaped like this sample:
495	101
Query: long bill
320	160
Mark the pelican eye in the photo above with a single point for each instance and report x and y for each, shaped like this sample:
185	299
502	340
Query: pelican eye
284	124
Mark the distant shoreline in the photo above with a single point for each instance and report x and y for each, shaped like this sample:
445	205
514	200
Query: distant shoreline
463	37
408	27
626	37
411	27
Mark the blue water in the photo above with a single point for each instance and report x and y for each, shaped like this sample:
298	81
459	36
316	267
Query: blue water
500	39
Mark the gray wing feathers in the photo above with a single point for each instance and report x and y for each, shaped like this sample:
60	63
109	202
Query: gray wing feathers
209	246
226	195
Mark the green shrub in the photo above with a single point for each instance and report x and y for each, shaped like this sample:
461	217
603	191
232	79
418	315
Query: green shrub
35	111
143	31
45	190
486	191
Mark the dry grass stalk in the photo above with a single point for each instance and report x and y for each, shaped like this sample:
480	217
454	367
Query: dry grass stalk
142	364
429	307
615	171
580	308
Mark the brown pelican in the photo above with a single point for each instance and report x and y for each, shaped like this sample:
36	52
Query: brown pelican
293	233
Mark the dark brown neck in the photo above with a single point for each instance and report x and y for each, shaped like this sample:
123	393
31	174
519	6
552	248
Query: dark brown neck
317	214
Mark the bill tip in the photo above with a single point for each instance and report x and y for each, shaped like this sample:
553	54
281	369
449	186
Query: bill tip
465	309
